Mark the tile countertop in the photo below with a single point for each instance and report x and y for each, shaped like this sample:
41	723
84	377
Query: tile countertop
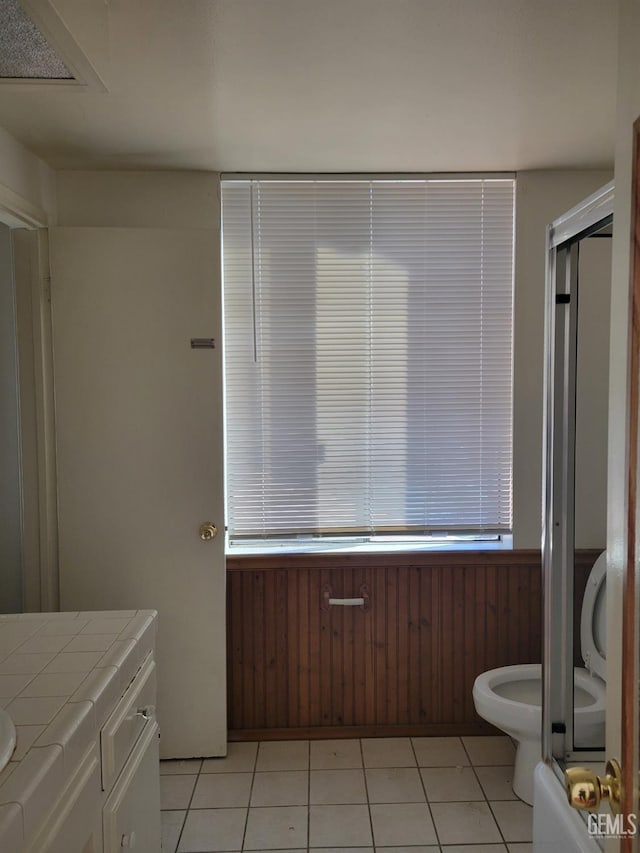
61	675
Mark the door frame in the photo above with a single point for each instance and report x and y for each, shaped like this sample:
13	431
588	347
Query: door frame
631	568
29	236
558	547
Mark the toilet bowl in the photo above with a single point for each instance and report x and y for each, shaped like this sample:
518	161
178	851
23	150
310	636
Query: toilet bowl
510	697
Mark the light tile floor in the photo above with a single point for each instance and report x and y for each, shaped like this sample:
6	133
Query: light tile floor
391	795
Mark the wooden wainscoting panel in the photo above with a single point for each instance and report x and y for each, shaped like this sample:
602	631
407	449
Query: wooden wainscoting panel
404	665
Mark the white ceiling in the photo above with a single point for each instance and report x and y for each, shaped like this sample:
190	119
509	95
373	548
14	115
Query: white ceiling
331	85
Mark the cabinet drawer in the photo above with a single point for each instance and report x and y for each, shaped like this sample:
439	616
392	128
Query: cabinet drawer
131	814
120	733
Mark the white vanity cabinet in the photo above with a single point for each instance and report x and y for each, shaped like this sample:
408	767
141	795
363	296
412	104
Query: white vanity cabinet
90	782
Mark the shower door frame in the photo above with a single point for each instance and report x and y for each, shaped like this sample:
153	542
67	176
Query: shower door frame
558	487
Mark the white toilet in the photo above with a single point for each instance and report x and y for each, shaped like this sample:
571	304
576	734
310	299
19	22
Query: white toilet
510	697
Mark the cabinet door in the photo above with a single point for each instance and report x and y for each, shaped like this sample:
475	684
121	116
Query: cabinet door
131	814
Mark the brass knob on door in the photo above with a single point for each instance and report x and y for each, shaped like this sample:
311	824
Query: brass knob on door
586	790
208	531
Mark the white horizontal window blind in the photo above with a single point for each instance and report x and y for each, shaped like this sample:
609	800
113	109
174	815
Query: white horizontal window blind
368	350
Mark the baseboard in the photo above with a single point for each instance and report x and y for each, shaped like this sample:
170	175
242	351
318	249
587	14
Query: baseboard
339	732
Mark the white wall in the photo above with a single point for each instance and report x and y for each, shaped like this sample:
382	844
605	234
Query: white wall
540	198
138	199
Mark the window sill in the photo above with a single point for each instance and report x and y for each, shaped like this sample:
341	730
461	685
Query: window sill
379	545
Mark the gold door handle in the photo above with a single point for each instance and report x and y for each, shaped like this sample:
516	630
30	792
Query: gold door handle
208	531
586	790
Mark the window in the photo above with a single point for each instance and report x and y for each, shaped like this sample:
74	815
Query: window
368	349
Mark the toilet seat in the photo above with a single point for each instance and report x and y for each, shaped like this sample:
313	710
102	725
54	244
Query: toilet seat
487	689
593	620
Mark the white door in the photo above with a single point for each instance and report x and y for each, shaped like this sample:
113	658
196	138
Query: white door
140	454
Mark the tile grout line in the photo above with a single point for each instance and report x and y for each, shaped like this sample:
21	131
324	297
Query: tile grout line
433	821
504	842
253	780
473	768
366	793
486	796
186	814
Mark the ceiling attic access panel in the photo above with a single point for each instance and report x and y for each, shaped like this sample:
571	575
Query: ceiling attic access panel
25	52
54	42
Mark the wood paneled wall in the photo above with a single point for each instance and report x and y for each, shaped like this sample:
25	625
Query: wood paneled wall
405	665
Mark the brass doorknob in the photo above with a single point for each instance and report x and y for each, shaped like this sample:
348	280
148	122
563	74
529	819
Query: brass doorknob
208	531
586	790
